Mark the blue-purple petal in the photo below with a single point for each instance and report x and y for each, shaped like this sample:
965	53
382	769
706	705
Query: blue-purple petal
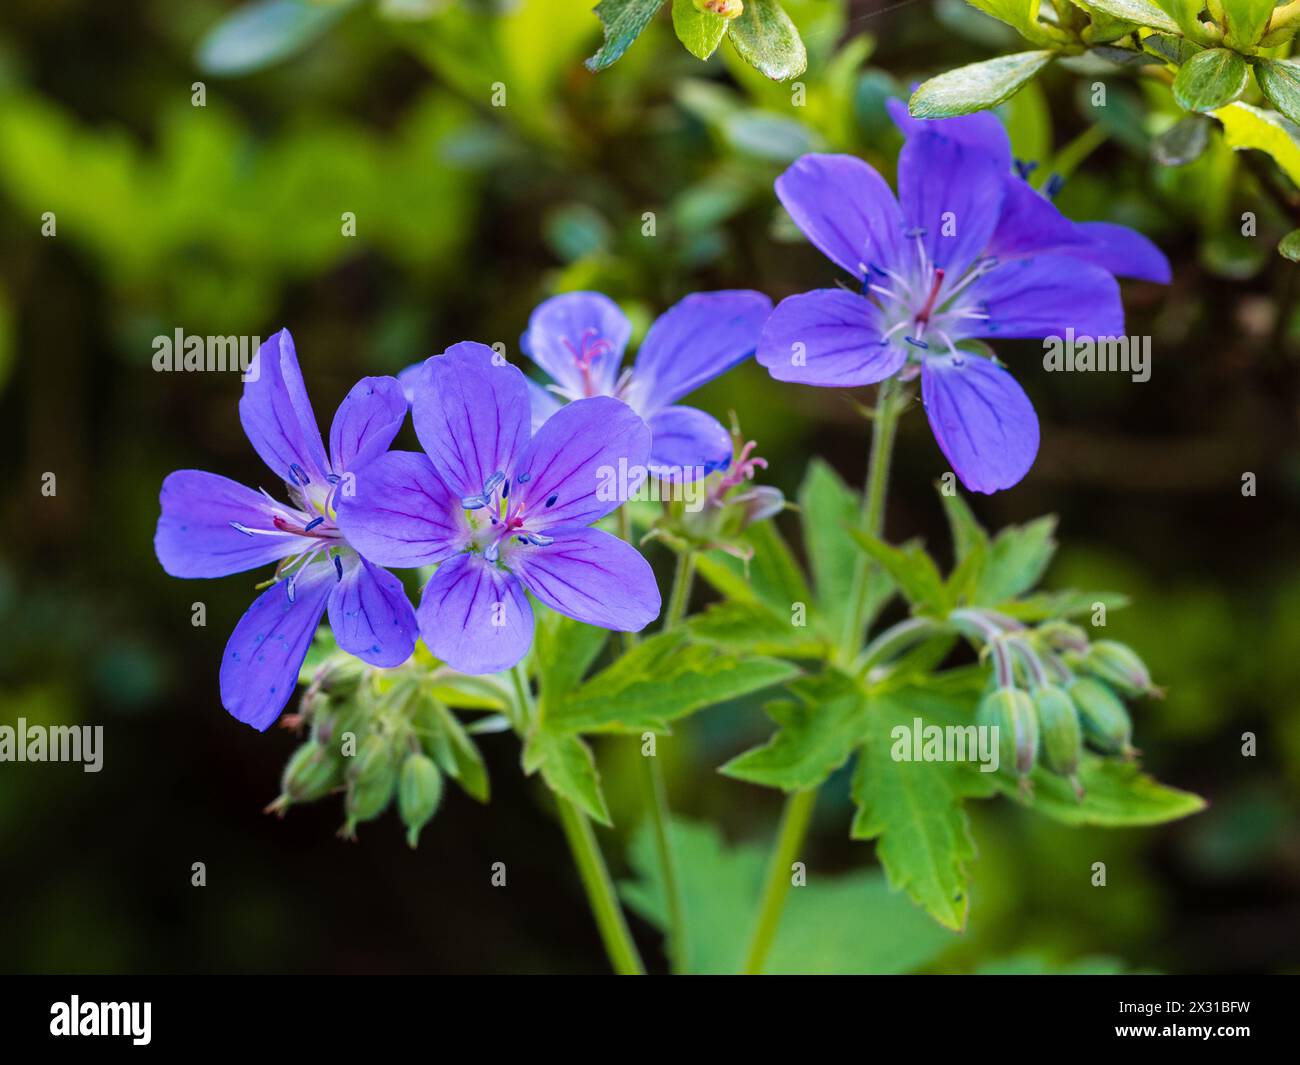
259	669
582	464
370	614
952	192
1031	224
195	537
1123	251
697	339
982	131
471	413
277	415
543	403
401	514
366	422
560	328
982	420
847	210
1045	296
475	616
590	576
689	442
827	337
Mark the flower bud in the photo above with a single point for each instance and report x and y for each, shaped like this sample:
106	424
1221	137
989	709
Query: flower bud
728	9
372	779
418	794
339	674
1011	711
1120	667
1106	724
308	775
1058	722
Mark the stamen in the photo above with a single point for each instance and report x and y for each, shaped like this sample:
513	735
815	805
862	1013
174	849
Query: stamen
524	478
917	343
490	485
242	528
924	315
493	551
312	524
538	540
299	477
291	586
505	490
473	502
338	567
550	502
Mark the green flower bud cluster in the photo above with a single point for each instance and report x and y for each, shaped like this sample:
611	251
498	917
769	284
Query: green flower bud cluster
375	736
1053	693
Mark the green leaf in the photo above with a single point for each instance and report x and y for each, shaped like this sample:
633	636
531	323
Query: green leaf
660	680
700	31
768	41
624	20
1019	556
1138	12
1289	246
757	628
568	769
1019	14
910	568
1245	126
1210	79
828	508
565	650
1116	794
970	550
816	736
833	925
1245	21
1172	49
1182	143
977	86
1066	604
1279	80
453	749
260	34
771	576
914	810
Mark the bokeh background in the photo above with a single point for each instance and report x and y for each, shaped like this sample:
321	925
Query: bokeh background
225	219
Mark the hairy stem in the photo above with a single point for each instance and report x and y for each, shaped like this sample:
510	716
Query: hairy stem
799	806
614	933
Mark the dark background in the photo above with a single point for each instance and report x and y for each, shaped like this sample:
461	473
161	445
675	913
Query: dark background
225	220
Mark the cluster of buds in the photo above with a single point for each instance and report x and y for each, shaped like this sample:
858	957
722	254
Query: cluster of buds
714	513
1053	691
372	735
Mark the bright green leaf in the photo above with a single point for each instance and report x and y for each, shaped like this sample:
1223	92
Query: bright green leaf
700	31
816	736
1020	14
1138	12
1116	794
624	20
1182	143
771	576
756	627
910	568
453	749
1019	556
1245	21
828	508
977	86
833	925
569	770
1210	79
1245	126
564	651
767	40
913	809
660	680
1279	80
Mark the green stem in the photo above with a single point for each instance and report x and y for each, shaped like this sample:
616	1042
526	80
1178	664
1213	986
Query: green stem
799	806
683	577
794	827
600	890
605	909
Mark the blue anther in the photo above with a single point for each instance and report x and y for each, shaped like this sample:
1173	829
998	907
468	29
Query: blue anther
299	477
550	502
917	343
241	528
338	567
312	524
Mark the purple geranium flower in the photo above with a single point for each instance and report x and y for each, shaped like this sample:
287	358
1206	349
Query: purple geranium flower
969	250
212	526
502	510
578	339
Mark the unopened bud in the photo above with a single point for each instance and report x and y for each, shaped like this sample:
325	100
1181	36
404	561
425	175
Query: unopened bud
1120	667
1058	722
308	775
1012	712
1105	721
418	794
